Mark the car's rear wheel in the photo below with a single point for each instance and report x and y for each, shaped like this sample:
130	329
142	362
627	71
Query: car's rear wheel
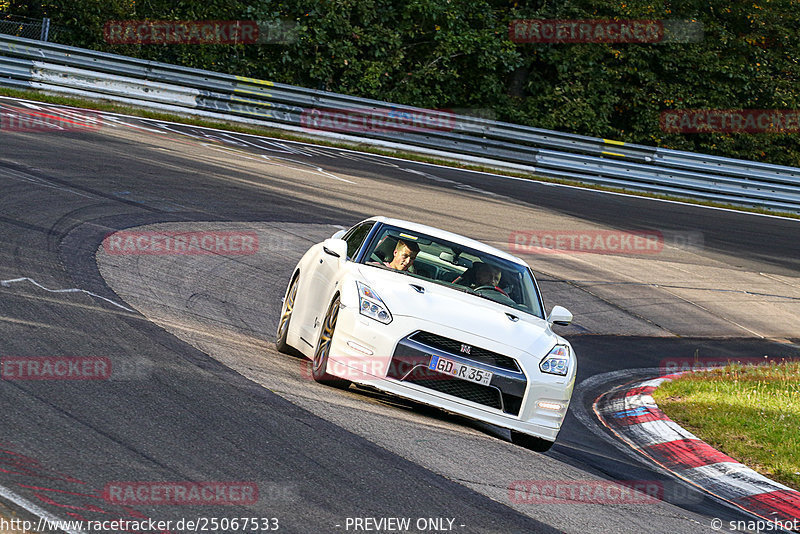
530	442
286	316
319	368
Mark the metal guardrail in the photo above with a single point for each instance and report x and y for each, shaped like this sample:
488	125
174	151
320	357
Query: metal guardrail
26	63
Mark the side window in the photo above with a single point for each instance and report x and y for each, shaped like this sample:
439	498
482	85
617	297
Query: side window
355	237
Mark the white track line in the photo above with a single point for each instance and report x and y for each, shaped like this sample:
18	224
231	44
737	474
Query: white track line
44	516
7	283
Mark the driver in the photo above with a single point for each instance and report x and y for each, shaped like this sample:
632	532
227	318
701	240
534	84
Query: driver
404	255
483	275
487	275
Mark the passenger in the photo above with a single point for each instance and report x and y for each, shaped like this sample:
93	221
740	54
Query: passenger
404	256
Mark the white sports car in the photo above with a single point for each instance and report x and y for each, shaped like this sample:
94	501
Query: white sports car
462	329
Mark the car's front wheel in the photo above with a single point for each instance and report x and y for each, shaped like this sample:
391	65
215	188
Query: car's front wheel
319	368
530	442
286	316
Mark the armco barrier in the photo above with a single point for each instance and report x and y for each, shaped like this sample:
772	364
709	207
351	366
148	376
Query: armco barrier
31	64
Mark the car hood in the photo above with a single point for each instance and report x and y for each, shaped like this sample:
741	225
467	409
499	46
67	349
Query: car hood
454	309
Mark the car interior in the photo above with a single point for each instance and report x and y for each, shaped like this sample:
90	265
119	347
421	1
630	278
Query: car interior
443	264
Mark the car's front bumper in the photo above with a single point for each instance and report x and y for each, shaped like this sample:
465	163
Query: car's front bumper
391	358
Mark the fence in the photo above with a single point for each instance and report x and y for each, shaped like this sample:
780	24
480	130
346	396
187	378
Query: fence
25	27
32	64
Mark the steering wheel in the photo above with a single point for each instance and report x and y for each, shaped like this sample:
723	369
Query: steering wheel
491	287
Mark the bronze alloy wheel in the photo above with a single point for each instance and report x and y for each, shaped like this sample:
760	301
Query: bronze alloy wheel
320	366
286	315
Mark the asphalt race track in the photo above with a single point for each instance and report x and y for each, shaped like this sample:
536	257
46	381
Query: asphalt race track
198	393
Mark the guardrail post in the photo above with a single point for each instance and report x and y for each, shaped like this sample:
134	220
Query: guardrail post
45	29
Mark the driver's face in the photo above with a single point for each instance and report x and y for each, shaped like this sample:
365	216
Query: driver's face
403	259
488	277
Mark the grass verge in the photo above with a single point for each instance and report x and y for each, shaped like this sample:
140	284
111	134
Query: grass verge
105	105
751	413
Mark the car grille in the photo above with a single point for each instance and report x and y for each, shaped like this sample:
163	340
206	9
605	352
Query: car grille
465	390
412	357
476	353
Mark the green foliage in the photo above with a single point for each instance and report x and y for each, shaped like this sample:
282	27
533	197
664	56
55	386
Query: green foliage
457	54
751	413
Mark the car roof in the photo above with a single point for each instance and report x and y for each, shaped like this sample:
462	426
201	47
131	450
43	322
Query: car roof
447	236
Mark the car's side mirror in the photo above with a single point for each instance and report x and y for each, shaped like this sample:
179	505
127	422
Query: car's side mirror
339	234
559	316
335	247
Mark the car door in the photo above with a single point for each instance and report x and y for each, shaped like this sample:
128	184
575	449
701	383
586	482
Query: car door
326	277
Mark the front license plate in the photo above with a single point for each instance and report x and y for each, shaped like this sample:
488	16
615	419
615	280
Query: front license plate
460	370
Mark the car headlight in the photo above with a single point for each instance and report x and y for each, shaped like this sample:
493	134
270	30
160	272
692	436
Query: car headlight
556	362
371	305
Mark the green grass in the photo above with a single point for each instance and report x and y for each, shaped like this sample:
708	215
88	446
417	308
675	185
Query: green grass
751	413
105	105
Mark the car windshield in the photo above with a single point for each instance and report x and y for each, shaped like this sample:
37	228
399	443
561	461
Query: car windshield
459	268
